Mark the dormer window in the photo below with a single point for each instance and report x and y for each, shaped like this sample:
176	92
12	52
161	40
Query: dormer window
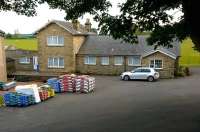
55	41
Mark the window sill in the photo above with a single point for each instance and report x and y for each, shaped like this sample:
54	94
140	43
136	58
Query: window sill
91	64
24	63
56	67
134	65
105	64
118	64
55	45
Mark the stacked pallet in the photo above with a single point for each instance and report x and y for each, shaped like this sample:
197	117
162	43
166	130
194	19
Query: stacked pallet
46	92
67	83
50	90
18	99
1	85
84	84
43	94
55	84
72	83
29	90
1	101
7	86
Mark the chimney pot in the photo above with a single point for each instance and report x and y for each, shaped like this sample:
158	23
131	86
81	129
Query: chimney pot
76	24
88	25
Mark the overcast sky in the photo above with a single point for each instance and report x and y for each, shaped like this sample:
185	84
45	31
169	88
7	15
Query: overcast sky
10	21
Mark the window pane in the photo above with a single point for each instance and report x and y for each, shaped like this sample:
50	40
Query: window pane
60	40
54	39
152	64
118	60
92	60
105	60
130	60
61	62
86	60
55	63
158	63
134	60
28	60
25	60
49	40
50	62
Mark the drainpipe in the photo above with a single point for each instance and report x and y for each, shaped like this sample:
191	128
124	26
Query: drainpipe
125	68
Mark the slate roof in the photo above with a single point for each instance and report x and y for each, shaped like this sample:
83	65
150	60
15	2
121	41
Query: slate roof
105	45
67	26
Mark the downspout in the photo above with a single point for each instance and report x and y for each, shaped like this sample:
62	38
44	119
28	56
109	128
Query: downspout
125	68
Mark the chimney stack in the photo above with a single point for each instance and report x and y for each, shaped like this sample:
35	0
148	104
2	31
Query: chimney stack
88	25
76	24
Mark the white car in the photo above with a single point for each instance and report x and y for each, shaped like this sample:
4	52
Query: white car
142	73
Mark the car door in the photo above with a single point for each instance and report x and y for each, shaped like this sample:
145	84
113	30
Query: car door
136	74
144	73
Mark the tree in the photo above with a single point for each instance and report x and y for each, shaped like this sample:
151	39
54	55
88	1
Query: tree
136	15
142	15
8	35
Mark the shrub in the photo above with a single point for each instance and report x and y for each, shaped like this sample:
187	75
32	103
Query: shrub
182	71
187	71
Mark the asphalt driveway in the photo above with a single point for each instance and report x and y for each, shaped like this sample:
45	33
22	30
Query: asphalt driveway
115	106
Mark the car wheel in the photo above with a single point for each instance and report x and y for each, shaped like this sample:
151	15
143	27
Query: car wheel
126	78
150	79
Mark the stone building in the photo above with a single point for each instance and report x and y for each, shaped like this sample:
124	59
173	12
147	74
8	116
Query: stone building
65	47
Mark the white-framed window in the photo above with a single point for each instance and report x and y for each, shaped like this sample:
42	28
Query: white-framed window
156	63
90	60
134	61
24	60
56	62
55	41
104	60
118	60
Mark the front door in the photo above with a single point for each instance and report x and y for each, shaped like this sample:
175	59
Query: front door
35	63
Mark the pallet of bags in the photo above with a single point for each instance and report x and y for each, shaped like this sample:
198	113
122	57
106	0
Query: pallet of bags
55	84
84	83
67	83
46	92
18	99
1	100
10	99
50	90
8	86
25	100
43	94
29	90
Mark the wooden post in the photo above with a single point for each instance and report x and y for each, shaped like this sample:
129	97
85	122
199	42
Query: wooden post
3	72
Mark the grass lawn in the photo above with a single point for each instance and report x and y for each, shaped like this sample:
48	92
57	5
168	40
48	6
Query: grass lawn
189	57
27	44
